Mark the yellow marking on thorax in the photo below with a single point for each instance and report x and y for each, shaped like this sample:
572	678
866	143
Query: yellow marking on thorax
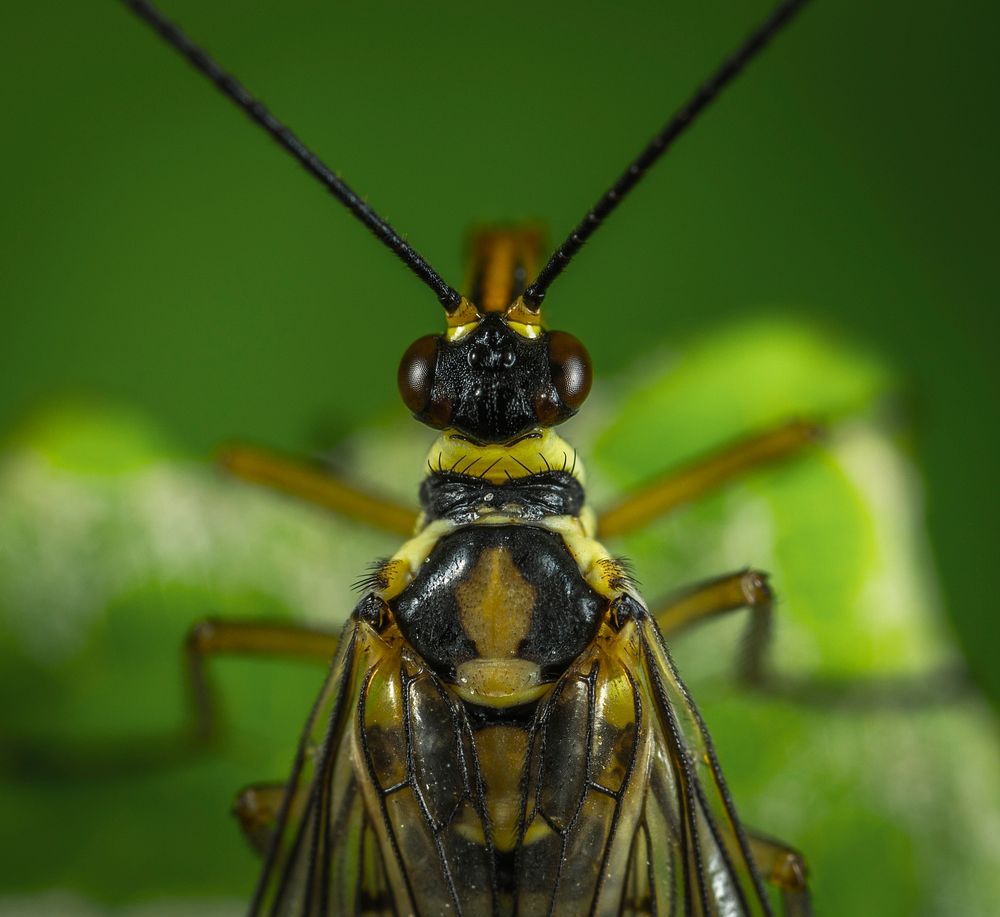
597	565
602	571
400	569
541	450
495	604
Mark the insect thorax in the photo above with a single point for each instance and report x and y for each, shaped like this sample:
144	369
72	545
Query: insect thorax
499	611
503	584
499	696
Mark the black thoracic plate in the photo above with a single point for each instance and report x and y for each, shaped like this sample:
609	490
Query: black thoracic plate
521	576
460	497
494	379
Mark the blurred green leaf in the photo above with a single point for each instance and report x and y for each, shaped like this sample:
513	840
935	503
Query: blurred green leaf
876	747
110	547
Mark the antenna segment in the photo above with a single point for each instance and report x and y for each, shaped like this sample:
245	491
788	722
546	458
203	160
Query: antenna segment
257	112
676	126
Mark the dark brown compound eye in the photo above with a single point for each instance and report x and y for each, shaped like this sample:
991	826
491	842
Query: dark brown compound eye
548	410
416	372
569	363
438	413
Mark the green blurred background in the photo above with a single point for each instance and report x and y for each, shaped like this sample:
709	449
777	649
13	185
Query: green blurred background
161	258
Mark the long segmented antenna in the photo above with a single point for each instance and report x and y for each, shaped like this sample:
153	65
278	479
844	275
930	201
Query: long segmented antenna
257	112
676	126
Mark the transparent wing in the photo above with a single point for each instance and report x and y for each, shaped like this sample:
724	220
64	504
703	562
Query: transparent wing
322	859
424	789
384	811
617	802
690	854
583	788
625	807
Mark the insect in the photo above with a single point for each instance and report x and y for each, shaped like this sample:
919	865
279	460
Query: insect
503	730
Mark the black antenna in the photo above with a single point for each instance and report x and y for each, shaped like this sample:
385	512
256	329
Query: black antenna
676	126
255	109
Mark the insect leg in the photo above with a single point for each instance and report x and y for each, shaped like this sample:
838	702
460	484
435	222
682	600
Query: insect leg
214	637
744	589
317	486
257	808
784	868
750	589
688	483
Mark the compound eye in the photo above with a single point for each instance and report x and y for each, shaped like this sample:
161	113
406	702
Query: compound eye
569	363
416	372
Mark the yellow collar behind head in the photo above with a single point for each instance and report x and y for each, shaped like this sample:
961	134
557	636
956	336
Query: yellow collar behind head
535	452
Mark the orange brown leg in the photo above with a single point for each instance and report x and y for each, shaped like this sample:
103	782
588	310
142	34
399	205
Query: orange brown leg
215	637
745	589
784	868
749	589
686	484
257	807
316	485
141	754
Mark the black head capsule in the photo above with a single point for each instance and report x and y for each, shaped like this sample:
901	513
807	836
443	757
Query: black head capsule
493	379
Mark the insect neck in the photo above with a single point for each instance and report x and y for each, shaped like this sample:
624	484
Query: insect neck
538	451
535	476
